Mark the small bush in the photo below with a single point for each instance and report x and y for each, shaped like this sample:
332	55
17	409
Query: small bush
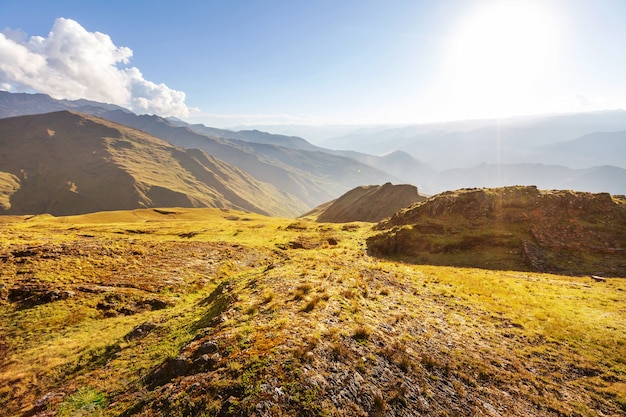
268	296
311	304
362	333
85	401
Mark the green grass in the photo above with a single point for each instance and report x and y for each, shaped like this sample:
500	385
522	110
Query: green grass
84	402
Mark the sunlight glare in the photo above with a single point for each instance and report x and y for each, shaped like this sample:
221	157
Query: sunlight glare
502	57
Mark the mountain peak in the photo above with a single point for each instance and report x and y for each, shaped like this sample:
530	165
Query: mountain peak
370	203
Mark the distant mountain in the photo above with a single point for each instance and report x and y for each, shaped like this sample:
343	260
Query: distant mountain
465	144
371	203
69	163
601	148
254	136
399	164
20	104
291	164
383	139
596	179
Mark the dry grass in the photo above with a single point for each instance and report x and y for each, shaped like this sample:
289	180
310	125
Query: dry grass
292	327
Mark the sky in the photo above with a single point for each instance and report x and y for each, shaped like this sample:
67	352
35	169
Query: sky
316	62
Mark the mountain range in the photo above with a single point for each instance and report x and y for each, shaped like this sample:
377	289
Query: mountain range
508	141
577	151
68	163
305	173
581	152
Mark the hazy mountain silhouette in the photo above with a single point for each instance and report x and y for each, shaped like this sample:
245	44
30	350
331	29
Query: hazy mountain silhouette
596	179
465	144
601	148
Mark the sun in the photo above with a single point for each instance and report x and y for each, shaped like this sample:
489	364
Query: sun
501	56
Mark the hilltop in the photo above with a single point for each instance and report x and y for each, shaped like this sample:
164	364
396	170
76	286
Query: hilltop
519	228
371	203
219	312
69	163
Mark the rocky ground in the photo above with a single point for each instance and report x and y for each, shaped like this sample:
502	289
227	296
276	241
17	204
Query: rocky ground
226	313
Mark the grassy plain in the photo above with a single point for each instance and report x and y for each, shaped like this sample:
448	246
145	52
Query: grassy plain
220	312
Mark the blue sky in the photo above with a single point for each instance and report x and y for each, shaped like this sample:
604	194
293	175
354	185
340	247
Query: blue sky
226	63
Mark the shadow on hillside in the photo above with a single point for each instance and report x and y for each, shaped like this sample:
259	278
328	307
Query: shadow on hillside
493	252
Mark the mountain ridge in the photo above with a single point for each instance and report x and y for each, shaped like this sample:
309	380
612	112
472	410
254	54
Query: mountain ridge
308	174
70	163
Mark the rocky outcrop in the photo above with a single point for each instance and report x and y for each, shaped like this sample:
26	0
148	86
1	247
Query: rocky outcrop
512	228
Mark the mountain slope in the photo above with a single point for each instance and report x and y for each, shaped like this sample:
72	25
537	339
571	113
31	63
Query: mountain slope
371	203
519	228
313	177
291	164
67	163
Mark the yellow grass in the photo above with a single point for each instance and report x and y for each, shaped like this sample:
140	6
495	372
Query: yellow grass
538	338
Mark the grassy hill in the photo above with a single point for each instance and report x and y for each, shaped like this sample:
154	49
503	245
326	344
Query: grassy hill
220	312
519	228
68	163
369	203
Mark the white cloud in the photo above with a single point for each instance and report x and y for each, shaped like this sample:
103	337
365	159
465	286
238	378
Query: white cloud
73	63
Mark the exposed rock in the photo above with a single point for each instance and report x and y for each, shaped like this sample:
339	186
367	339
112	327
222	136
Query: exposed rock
511	228
43	406
305	243
32	294
207	347
168	370
119	303
140	331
